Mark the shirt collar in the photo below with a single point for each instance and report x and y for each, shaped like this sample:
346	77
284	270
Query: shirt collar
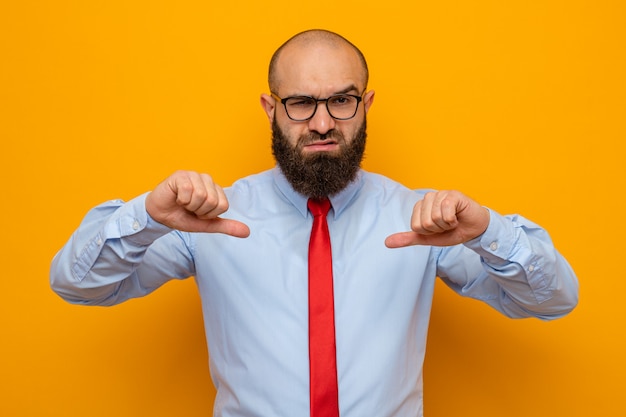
339	201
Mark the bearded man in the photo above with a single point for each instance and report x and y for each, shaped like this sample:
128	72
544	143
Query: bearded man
298	324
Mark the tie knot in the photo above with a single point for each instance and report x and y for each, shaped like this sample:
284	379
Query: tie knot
319	207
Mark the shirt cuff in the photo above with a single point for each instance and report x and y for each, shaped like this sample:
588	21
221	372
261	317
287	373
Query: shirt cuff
136	225
496	243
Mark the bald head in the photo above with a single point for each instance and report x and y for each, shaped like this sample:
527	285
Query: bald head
308	40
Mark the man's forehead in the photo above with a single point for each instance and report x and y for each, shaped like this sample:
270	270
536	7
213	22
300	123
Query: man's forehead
334	66
299	51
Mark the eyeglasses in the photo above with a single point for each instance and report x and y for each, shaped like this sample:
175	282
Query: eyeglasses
339	106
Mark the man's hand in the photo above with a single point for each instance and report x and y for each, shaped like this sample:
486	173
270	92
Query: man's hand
442	218
192	202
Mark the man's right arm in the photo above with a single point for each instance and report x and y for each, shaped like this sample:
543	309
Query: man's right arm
126	250
118	252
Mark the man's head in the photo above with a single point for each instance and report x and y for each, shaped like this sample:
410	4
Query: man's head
321	154
309	39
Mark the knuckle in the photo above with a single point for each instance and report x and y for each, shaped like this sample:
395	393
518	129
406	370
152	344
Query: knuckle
418	226
223	205
202	194
207	178
430	226
210	200
183	191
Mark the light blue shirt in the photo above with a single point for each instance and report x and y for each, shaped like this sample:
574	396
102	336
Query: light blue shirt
254	290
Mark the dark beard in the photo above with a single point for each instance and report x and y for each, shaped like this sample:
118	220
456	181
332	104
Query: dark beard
321	174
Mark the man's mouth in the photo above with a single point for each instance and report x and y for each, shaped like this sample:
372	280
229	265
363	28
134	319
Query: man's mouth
324	145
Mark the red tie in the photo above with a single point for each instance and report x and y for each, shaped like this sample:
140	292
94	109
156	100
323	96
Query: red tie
322	356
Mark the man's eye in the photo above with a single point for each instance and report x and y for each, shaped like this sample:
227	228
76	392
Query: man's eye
300	102
340	100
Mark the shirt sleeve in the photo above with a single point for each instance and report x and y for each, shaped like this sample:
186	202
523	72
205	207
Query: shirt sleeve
119	252
517	271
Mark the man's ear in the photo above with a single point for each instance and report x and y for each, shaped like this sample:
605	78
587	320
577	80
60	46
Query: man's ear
269	105
368	99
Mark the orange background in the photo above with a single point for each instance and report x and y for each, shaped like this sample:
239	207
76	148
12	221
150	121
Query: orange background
520	104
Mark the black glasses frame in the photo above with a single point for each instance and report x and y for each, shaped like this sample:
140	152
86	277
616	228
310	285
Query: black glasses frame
318	100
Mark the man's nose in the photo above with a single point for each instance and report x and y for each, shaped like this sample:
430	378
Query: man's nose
321	122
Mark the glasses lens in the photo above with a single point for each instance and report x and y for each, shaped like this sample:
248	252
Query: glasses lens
342	106
300	108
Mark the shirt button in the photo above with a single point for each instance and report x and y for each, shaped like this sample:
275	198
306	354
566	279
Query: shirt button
99	242
531	268
135	225
493	246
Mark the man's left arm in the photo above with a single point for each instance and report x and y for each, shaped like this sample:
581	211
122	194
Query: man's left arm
520	272
505	261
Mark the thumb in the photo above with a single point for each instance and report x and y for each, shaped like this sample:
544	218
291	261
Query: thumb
404	239
190	223
227	226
